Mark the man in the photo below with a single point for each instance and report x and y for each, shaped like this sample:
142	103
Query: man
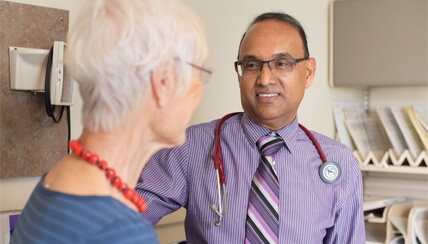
274	69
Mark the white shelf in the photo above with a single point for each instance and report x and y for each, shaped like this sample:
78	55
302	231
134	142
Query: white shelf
395	169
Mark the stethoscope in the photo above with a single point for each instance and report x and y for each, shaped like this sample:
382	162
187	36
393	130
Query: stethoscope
329	171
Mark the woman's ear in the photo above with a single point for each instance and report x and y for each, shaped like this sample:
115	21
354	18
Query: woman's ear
161	80
311	66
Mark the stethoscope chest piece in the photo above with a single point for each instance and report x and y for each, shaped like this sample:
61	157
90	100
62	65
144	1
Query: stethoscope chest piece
330	172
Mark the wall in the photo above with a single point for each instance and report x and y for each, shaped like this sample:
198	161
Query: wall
225	23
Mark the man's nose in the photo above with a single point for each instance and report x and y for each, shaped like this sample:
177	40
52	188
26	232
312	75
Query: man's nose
266	77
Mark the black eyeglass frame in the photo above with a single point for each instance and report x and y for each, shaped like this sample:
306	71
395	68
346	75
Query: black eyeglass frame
296	61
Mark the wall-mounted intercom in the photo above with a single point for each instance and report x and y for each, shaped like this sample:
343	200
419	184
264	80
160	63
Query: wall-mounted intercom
28	72
27	68
62	85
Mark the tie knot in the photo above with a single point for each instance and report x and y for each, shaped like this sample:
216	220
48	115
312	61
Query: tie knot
270	144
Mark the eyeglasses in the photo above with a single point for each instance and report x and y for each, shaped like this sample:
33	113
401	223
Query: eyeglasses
206	74
252	68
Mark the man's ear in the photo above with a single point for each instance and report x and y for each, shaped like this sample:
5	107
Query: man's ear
162	84
311	66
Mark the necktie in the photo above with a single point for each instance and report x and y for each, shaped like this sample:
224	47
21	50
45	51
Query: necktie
262	216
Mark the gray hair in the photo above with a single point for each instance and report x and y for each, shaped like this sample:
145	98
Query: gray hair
284	18
115	44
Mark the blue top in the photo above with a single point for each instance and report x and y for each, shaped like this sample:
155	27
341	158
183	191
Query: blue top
310	210
55	217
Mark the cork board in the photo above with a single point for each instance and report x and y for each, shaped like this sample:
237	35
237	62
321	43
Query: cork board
30	142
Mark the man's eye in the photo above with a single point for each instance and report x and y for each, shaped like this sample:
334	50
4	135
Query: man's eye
281	63
251	65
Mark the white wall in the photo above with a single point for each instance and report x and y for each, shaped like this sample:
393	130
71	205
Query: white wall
225	22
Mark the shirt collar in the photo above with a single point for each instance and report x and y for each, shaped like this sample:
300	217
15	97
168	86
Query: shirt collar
254	132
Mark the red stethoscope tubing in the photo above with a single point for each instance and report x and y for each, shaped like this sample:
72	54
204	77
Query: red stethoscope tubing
315	142
218	157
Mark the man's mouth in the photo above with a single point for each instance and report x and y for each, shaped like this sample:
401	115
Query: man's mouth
268	94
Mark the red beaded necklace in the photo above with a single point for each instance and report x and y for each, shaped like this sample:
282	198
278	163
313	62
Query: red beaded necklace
116	181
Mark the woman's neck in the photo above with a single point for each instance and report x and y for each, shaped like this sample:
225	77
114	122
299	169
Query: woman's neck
126	151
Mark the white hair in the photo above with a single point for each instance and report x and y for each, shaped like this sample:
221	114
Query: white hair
115	44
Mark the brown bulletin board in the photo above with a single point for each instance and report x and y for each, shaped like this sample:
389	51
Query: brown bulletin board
30	142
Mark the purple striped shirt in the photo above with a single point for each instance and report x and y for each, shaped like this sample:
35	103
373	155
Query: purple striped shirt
310	211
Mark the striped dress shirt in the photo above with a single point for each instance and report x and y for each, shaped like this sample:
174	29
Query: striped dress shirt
311	211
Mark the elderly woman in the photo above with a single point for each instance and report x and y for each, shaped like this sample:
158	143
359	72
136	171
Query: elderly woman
139	65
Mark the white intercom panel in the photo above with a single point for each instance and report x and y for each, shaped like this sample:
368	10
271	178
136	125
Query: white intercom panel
28	70
63	87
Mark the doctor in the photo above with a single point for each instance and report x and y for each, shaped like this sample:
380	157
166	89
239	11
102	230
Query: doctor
274	198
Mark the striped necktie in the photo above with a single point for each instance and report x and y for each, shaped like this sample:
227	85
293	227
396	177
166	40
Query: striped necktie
262	216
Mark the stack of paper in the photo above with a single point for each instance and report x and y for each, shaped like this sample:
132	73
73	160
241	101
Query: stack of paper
408	221
389	136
